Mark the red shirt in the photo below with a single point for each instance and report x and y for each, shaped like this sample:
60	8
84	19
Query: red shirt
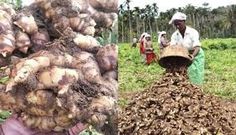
142	49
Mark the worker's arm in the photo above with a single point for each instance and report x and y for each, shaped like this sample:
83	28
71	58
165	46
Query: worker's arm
195	51
14	126
165	45
173	40
165	42
196	44
144	44
79	127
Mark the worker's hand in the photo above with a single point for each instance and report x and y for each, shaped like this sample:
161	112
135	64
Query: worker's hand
191	57
79	127
167	44
14	126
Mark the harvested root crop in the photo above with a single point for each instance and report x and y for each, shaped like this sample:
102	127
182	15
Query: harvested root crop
26	22
39	40
71	84
105	5
55	80
22	41
87	43
107	57
174	106
7	37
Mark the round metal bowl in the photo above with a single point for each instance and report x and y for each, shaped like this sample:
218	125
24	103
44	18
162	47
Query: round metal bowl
174	56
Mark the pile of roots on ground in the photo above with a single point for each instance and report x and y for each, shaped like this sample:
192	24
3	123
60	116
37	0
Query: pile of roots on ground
174	106
59	74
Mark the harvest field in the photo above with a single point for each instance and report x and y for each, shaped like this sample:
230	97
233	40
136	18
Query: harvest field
155	101
220	71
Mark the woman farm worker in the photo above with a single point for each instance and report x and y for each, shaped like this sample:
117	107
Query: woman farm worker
149	50
141	46
162	40
189	38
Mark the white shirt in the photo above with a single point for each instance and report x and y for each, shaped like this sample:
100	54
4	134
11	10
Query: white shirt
135	40
190	40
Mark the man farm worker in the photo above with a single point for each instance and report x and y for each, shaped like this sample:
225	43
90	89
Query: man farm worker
189	38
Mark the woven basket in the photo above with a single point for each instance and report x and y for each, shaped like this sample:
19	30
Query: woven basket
174	56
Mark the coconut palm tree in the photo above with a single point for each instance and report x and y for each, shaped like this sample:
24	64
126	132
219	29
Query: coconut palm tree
148	13
121	12
137	16
230	19
155	15
127	3
190	12
142	17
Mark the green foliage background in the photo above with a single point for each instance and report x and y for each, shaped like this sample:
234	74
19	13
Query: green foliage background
210	22
15	3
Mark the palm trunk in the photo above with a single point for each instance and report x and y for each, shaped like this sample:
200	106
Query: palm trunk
150	26
137	26
144	26
156	26
130	28
122	30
